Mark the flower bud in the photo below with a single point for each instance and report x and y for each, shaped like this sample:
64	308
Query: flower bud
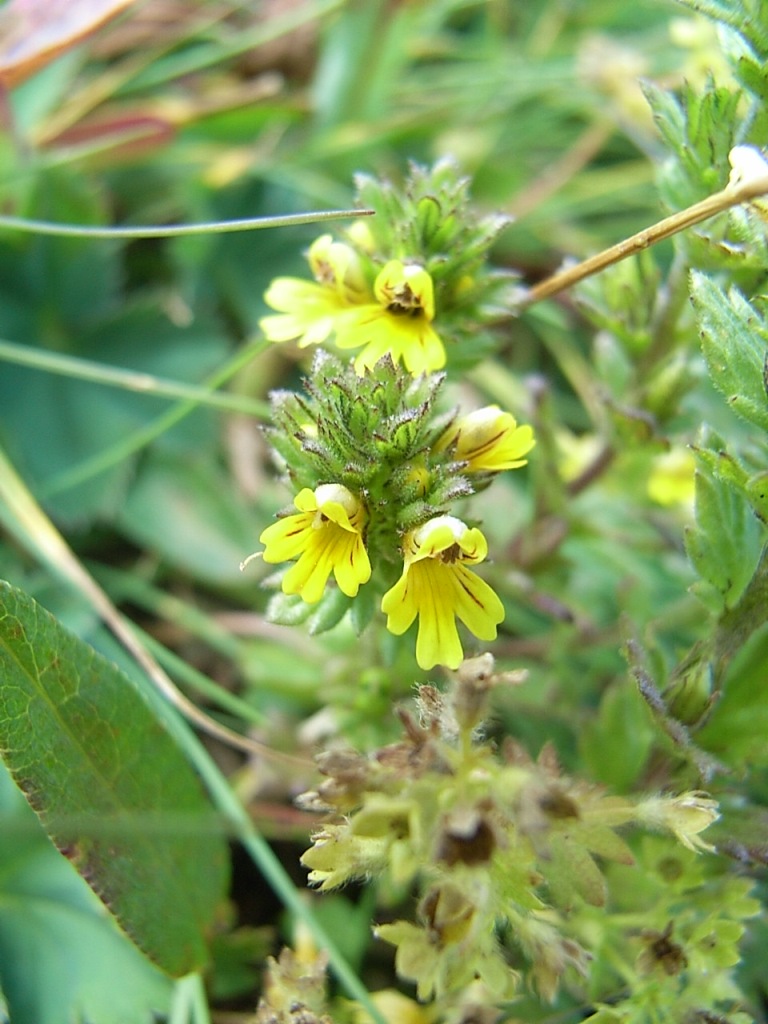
488	440
685	816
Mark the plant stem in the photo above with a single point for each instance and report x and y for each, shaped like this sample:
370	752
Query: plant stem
104	460
216	227
201	683
24	518
666	315
731	195
189	1005
129	380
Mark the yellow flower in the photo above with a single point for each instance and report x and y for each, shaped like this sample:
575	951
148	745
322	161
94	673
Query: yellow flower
326	536
672	479
488	440
398	324
308	310
437	586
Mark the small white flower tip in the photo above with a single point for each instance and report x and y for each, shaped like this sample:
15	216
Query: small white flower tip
749	167
339	494
457	527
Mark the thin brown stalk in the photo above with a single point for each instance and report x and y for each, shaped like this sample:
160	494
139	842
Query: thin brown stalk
732	195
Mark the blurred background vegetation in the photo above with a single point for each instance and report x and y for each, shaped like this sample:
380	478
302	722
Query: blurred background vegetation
179	112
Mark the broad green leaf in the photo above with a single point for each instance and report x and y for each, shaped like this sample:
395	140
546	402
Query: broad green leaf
110	786
737	728
186	512
64	294
61	957
725	543
238	958
616	743
698	128
735	346
55	289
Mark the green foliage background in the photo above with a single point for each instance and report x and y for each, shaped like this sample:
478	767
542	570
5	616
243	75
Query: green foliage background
161	485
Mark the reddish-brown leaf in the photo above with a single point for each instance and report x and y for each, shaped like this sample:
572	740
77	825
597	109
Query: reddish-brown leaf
33	32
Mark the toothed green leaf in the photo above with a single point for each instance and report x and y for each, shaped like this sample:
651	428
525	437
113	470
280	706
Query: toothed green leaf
110	786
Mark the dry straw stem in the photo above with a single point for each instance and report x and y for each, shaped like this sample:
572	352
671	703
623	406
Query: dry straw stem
25	519
749	181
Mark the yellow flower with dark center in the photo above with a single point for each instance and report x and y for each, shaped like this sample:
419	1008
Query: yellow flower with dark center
308	310
398	324
326	536
437	586
488	440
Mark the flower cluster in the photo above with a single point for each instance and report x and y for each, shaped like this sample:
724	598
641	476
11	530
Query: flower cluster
296	992
405	284
674	933
395	320
510	855
512	861
377	467
375	464
326	537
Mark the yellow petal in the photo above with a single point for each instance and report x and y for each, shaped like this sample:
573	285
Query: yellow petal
399	605
356	327
337	265
286	538
443	532
474	547
286	294
418	592
328	548
305	500
489	440
438	641
326	537
308	311
308	576
475	602
437	586
353	569
340	505
425	351
407	337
